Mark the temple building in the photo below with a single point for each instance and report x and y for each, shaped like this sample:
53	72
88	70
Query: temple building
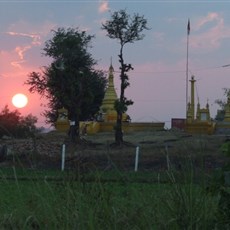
107	116
62	124
107	107
107	110
201	123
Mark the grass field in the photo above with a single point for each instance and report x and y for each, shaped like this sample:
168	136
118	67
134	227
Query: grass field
174	187
69	203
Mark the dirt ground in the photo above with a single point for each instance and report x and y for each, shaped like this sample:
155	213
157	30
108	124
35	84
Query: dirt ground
156	149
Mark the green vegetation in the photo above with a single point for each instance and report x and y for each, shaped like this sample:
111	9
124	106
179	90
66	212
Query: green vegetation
70	81
183	195
12	124
97	201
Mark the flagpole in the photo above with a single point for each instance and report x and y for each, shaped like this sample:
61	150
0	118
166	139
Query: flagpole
188	31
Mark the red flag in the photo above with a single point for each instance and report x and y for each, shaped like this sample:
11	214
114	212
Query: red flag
188	27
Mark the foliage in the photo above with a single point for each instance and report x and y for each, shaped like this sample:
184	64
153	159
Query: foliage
222	103
186	205
70	80
176	198
68	204
220	115
219	186
125	29
13	124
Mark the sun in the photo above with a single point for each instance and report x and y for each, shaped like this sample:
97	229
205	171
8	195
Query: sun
19	100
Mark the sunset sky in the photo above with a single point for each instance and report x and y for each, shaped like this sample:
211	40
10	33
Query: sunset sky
158	81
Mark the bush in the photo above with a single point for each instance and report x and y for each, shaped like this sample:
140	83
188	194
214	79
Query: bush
14	125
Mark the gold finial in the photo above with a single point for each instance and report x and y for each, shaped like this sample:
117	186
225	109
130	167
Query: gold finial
207	105
111	70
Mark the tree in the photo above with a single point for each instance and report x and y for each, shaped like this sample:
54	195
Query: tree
222	103
27	123
125	29
70	80
9	120
13	124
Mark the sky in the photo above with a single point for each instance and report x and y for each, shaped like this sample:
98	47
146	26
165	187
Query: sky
158	81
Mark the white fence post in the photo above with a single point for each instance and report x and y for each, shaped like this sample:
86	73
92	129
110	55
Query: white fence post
63	158
136	158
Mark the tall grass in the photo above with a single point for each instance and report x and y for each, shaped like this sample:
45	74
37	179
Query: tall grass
177	201
71	204
184	204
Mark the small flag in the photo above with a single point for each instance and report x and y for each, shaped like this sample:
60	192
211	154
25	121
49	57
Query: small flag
188	27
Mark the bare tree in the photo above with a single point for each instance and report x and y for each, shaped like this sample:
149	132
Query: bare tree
125	29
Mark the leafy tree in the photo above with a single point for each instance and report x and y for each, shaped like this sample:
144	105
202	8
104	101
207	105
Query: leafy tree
222	103
70	80
13	124
125	29
27	123
9	120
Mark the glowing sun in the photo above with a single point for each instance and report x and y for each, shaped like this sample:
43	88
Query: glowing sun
19	100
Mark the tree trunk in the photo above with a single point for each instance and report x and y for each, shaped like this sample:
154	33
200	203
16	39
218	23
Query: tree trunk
74	130
118	130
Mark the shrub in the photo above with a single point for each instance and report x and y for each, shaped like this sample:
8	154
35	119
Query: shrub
13	124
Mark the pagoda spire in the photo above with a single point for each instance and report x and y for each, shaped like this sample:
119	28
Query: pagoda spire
193	96
107	108
110	97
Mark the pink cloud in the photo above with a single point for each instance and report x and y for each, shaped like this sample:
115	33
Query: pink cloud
35	37
31	29
17	64
20	50
16	57
209	38
213	16
103	6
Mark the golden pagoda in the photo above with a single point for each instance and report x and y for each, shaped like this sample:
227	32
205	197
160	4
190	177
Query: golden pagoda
189	113
202	124
107	107
62	123
193	97
109	114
